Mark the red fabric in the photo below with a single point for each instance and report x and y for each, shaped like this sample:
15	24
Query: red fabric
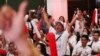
25	29
93	18
39	24
3	52
98	55
16	54
52	44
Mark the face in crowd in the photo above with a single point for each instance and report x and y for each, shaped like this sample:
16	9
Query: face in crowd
59	27
80	14
96	36
61	18
84	40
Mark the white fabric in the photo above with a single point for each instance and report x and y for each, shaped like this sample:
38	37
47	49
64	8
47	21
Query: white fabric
33	21
28	25
34	24
72	40
77	26
96	46
9	54
35	30
62	45
84	51
65	26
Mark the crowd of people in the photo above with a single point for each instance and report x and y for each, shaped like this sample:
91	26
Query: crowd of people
25	34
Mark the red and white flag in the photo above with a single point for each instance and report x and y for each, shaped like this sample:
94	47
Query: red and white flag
52	44
94	17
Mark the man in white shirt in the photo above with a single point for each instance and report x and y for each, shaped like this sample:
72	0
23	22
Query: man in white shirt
95	43
84	49
61	39
31	23
61	34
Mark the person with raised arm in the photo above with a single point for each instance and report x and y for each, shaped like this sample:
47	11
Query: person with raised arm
61	34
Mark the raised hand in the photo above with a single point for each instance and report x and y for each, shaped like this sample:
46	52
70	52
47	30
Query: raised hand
12	26
14	29
45	16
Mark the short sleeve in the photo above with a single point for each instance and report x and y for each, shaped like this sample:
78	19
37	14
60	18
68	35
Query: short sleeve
51	29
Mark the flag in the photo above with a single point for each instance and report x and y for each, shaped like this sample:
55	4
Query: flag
52	44
94	17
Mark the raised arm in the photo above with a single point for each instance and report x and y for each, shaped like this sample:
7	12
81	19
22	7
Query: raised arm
45	17
69	25
73	20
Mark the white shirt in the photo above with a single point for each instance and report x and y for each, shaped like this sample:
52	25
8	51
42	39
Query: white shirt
77	26
9	54
34	24
35	30
62	45
84	51
72	40
96	46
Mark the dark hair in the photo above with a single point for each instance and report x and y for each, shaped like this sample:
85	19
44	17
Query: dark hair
63	18
85	36
43	48
87	31
32	14
72	30
49	16
96	31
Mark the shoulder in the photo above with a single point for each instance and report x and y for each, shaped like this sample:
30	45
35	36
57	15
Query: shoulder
65	33
77	47
99	41
51	29
89	48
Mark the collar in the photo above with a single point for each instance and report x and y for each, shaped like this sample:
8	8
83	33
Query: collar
59	33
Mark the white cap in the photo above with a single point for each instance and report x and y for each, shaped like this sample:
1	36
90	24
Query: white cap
60	22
